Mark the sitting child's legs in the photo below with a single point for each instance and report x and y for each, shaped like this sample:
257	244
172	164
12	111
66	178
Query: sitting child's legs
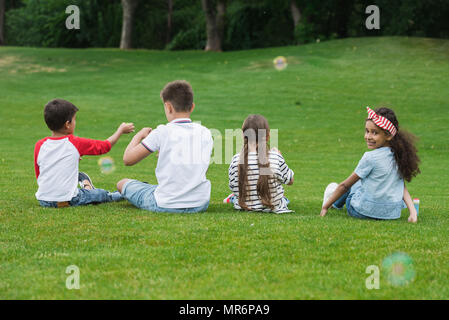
48	204
341	201
88	196
84	197
351	211
120	184
141	195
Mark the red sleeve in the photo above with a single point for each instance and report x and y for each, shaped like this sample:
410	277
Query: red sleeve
90	146
37	147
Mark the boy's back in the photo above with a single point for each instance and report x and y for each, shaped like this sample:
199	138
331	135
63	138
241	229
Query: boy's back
56	159
56	164
184	154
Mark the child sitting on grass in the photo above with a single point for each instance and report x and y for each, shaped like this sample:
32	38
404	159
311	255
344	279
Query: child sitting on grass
256	174
184	154
56	160
376	188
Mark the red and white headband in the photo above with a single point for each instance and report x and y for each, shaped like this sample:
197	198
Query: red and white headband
381	122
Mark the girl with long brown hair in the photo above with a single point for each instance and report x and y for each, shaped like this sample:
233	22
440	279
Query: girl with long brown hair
256	174
376	188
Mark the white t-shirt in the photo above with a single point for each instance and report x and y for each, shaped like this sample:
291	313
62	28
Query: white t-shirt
184	155
56	163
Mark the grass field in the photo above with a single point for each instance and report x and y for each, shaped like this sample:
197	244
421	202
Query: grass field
318	106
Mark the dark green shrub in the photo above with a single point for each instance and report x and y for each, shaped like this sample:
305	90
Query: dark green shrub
42	23
256	24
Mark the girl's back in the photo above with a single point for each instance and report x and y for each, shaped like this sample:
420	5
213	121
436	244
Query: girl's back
281	174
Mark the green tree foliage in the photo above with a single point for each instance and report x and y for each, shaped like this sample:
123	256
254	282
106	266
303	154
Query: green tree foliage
248	23
258	24
42	23
188	25
150	24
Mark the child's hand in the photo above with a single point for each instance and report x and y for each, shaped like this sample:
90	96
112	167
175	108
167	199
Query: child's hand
323	212
126	127
276	150
413	218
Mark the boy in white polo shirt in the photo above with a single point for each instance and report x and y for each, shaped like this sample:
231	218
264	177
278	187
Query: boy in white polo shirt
56	160
184	154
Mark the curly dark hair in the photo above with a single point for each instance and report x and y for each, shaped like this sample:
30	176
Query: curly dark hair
403	147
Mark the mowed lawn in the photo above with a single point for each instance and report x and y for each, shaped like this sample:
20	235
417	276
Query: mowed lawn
318	106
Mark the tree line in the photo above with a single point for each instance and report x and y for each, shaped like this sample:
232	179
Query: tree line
214	25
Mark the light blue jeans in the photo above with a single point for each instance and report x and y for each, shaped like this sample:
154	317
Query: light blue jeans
346	199
84	197
141	195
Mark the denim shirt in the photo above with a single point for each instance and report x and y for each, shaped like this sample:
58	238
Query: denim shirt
380	193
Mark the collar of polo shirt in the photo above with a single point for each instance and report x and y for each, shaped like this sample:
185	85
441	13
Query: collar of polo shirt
181	120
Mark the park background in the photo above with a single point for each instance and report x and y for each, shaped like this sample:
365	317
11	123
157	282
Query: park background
113	69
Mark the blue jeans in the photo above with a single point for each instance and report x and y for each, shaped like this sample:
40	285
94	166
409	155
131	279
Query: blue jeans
346	199
84	197
141	195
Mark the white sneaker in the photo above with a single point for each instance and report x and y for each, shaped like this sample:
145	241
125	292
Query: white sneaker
329	191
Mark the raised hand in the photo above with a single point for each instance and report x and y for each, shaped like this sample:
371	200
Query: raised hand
126	127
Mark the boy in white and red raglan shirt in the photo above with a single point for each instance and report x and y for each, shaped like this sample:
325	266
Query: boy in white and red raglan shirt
56	160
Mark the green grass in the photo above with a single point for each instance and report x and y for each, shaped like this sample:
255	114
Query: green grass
318	105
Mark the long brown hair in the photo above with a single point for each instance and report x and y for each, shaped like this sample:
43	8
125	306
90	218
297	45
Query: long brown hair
403	147
255	127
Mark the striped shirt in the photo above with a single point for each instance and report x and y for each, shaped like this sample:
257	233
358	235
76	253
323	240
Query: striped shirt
282	174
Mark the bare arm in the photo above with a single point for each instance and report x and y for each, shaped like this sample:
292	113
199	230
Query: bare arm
135	151
341	189
411	208
123	128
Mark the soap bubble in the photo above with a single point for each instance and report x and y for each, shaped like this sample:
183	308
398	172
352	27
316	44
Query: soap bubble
106	165
398	269
280	63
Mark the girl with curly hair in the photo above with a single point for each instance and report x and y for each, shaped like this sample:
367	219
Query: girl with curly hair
376	188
